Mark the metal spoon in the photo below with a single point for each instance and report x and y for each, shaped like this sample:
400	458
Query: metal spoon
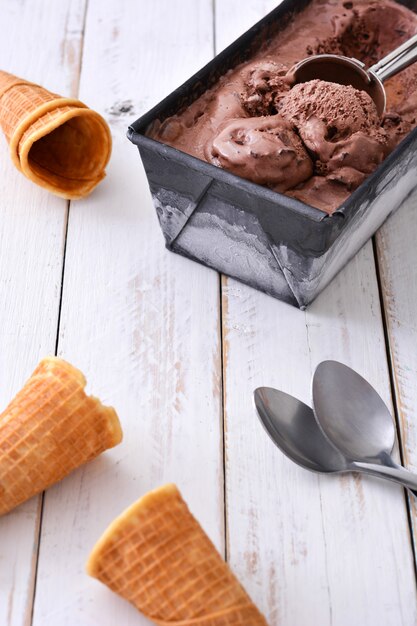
293	428
354	418
349	71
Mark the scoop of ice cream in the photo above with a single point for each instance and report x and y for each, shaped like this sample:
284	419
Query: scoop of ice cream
264	150
322	109
265	86
340	127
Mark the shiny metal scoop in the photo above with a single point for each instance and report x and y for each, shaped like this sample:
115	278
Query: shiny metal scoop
292	426
354	418
348	71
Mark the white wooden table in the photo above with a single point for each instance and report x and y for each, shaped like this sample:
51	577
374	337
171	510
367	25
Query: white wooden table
177	349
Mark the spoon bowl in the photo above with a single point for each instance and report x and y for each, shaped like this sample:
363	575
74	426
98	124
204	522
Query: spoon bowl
292	427
344	71
295	429
351	413
348	71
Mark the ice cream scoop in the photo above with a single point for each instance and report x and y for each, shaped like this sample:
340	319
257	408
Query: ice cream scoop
340	127
348	71
265	150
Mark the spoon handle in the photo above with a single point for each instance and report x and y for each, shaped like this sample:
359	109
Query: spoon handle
397	474
397	60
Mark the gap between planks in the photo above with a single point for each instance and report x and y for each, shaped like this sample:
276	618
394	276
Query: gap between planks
76	86
222	279
394	395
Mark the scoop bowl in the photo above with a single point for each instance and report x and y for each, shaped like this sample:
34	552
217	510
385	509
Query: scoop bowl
348	71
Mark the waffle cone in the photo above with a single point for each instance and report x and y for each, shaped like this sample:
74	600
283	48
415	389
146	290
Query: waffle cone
58	143
50	428
157	556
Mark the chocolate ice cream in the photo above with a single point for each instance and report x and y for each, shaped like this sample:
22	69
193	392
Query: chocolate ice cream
328	110
266	86
266	150
340	127
316	141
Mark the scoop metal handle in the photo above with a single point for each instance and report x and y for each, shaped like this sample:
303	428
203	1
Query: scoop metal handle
397	60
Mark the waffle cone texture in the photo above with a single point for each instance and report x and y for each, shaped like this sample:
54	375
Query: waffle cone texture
157	556
58	143
50	428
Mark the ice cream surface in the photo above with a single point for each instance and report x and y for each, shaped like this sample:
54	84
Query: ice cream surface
315	141
340	127
265	150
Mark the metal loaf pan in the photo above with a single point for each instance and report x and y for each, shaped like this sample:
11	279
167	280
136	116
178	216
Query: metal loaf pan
265	239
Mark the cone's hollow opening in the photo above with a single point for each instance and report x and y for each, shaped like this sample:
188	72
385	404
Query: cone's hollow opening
72	155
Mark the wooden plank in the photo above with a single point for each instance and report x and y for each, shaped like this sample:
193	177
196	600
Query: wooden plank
396	252
310	549
39	41
143	324
340	543
231	23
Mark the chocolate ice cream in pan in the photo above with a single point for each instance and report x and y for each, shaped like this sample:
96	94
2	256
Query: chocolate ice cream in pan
280	185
